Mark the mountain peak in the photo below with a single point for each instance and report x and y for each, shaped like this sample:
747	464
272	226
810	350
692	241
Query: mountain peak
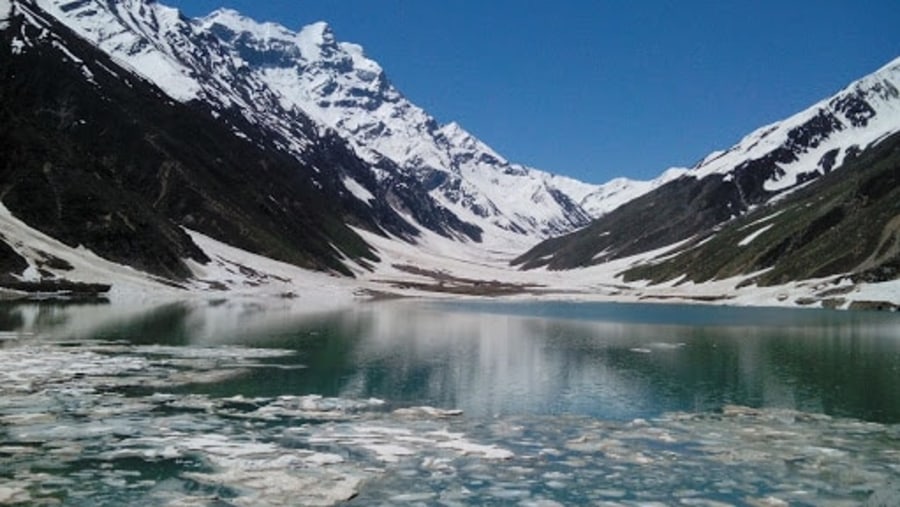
237	23
317	41
319	32
454	130
316	34
224	15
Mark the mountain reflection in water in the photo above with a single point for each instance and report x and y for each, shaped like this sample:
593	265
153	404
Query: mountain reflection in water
607	361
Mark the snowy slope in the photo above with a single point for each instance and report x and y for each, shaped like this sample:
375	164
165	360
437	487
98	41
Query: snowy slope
598	200
278	79
763	168
158	43
81	265
815	140
228	268
336	84
339	86
123	28
5	10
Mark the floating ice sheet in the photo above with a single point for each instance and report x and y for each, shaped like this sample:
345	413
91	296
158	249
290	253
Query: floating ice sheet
75	430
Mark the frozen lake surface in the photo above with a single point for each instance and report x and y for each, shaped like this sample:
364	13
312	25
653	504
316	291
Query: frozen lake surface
237	403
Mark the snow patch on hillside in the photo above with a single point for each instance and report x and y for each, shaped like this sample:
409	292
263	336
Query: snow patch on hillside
241	275
237	272
885	291
753	235
358	191
87	267
6	12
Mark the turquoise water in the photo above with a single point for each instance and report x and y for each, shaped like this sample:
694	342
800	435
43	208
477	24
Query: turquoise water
600	360
243	403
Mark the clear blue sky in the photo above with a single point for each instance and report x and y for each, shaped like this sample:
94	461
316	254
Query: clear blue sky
597	89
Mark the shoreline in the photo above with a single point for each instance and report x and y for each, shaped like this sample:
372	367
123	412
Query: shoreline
434	268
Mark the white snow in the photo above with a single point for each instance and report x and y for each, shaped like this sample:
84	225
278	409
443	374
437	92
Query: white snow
599	200
878	89
486	451
119	30
238	22
85	71
87	267
267	277
6	11
764	219
755	234
358	191
313	38
885	291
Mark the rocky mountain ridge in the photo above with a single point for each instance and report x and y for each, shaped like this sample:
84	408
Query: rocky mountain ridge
96	156
763	169
269	74
138	128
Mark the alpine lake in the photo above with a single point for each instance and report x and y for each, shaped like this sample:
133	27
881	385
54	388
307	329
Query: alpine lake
220	403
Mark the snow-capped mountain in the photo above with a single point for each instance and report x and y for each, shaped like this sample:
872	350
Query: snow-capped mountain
94	155
340	87
150	134
598	200
194	66
818	139
158	43
278	79
335	83
763	168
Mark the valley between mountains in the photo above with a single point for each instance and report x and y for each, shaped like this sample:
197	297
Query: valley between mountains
146	154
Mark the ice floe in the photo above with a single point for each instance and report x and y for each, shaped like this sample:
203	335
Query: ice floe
93	422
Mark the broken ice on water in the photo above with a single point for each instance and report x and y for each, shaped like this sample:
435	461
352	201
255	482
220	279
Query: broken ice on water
77	431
